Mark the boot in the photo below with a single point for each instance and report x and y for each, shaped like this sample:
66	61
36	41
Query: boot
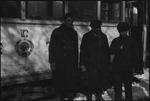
70	97
89	96
99	97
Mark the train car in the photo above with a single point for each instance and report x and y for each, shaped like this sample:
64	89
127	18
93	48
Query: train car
26	28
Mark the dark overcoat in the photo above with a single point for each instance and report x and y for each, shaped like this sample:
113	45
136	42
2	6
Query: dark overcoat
95	56
63	50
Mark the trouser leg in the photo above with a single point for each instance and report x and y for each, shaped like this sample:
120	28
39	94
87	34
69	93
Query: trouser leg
70	96
61	95
118	88
128	87
128	92
89	96
98	95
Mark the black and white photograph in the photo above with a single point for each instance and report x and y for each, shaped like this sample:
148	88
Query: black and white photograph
86	50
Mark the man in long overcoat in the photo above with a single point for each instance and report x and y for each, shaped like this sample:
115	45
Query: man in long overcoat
95	59
63	58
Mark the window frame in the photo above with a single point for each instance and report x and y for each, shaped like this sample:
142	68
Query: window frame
17	7
87	20
110	6
49	17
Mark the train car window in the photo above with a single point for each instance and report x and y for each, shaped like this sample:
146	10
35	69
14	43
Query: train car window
111	11
10	9
104	11
44	9
84	11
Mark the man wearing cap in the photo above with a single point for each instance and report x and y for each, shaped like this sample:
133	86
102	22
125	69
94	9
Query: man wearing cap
95	60
126	58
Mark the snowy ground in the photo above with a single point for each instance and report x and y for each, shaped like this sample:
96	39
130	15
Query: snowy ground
140	90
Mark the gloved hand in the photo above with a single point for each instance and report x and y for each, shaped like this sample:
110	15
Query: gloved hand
83	68
53	66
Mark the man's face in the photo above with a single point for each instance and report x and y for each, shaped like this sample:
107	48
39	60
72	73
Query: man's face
123	33
97	30
69	21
